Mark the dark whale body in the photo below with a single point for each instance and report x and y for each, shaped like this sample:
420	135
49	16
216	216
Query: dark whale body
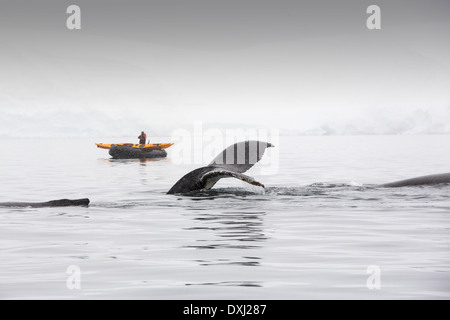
434	179
53	203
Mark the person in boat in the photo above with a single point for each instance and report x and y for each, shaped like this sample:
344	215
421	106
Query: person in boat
142	138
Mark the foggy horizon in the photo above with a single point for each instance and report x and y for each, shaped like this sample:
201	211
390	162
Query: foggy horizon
306	68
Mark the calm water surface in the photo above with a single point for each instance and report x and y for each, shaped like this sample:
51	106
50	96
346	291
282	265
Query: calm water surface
312	233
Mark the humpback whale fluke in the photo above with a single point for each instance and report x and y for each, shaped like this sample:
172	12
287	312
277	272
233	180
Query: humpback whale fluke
231	162
53	203
420	181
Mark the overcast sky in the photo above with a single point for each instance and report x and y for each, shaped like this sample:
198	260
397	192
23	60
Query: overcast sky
161	65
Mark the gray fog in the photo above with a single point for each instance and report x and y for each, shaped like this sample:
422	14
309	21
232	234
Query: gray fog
308	67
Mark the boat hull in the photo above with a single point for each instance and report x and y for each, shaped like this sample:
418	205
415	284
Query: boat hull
125	152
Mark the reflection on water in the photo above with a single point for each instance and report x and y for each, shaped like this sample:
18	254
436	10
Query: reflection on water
230	230
228	262
229	240
143	162
144	169
232	237
228	284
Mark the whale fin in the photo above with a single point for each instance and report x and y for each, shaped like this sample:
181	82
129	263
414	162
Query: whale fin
241	156
210	178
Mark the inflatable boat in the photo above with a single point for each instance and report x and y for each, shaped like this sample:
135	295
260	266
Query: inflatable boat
136	151
136	146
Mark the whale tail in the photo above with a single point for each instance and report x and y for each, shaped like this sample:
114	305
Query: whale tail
212	177
241	156
230	163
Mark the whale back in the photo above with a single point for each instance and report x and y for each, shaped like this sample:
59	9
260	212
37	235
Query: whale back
420	181
49	204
